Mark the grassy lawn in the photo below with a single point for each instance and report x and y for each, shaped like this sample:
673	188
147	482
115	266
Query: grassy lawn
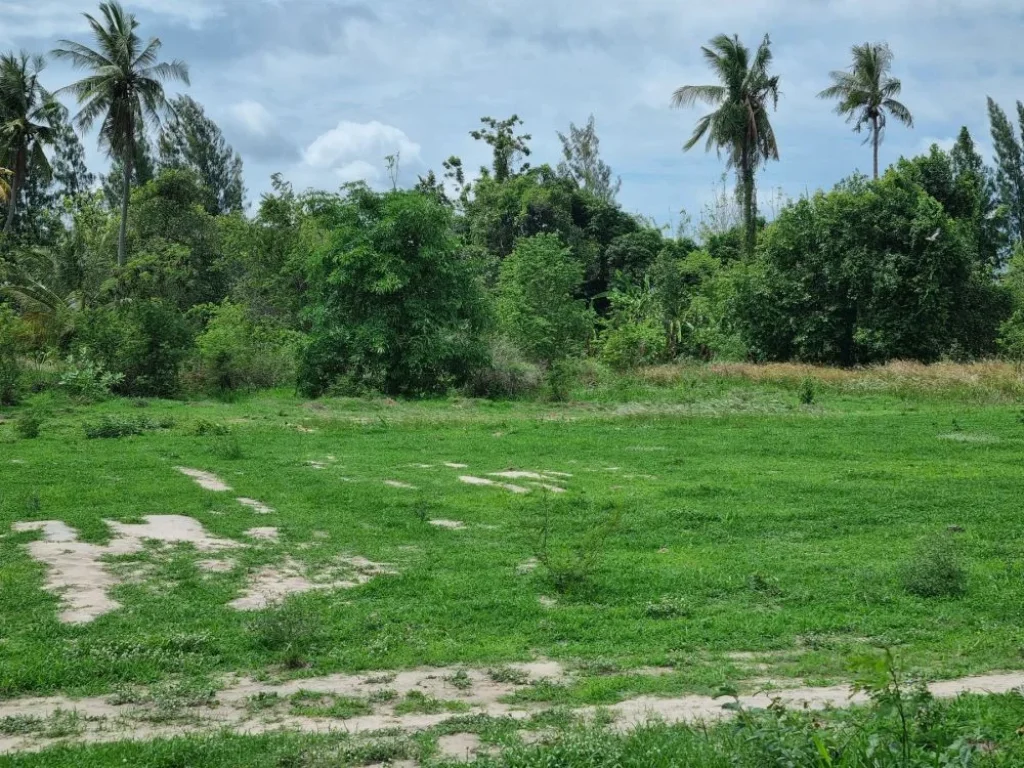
715	528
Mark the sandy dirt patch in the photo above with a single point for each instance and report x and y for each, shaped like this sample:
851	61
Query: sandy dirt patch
206	480
547	487
453	465
273	584
216	566
263	534
77	573
461	747
399	484
256	506
454	525
470	480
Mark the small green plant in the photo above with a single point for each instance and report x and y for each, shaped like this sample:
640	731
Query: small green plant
204	428
460	680
807	391
228	448
935	570
419	703
287	632
669	608
86	379
109	427
571	561
28	425
560	378
508	675
315	704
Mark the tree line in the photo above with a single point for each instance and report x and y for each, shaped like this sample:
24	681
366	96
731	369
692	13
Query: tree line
154	280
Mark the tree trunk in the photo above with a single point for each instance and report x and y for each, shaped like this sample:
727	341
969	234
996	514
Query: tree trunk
12	198
874	140
749	206
126	191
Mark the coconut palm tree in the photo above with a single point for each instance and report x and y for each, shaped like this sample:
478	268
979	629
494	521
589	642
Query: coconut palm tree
867	93
739	126
5	184
124	90
28	114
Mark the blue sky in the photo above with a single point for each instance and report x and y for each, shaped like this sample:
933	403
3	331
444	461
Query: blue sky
321	90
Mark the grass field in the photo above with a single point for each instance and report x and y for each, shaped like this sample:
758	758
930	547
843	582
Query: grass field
681	532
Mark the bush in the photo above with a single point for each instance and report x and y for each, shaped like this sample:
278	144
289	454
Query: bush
935	571
113	427
13	338
508	375
234	352
807	391
28	425
633	345
85	379
145	341
537	302
393	304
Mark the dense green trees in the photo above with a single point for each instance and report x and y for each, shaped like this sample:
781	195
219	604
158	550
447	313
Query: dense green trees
483	283
867	94
123	91
739	126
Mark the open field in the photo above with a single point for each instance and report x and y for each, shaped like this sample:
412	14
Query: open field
370	564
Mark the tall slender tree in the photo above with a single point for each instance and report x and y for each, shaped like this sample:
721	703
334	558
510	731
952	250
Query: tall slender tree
867	93
582	162
739	126
1009	166
123	90
27	116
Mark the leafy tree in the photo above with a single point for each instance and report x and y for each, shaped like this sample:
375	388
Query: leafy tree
1011	333
1009	166
27	116
123	90
865	273
582	162
191	140
508	148
392	305
739	126
537	300
867	93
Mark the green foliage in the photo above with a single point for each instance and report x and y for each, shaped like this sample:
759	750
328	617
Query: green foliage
507	375
288	632
28	425
935	570
86	380
234	352
581	161
868	272
507	147
572	540
14	335
807	391
1009	156
537	303
393	306
1011	332
145	341
633	344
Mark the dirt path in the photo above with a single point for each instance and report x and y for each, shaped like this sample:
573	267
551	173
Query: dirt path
249	707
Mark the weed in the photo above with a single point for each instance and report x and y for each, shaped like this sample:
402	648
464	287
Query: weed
228	448
418	703
669	608
28	425
508	675
570	563
935	570
383	696
263	701
316	704
807	391
460	680
113	427
203	428
287	632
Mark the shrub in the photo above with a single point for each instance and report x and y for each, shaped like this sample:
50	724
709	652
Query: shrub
807	391
28	425
537	303
114	427
13	338
935	570
508	375
393	304
633	345
288	632
234	352
86	379
569	557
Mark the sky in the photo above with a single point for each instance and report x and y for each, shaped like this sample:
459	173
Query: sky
322	90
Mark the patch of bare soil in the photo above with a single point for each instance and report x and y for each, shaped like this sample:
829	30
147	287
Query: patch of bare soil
454	525
470	480
256	506
105	721
263	534
399	484
206	480
274	583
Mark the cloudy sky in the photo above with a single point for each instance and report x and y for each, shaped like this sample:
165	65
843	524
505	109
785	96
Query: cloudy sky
322	90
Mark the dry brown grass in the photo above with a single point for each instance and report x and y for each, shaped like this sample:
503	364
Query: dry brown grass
989	377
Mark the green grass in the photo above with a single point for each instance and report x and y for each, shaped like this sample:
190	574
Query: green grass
746	522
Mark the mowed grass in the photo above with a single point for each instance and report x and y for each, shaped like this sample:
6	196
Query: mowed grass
747	524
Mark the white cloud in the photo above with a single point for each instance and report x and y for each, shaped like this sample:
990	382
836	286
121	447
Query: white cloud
355	151
253	117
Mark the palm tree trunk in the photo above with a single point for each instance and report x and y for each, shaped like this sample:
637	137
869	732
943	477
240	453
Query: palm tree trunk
874	141
126	191
749	207
12	197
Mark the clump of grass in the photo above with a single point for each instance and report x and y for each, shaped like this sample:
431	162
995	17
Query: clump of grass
228	448
315	704
287	632
508	675
204	427
460	680
669	608
935	570
570	561
807	391
420	704
263	701
113	427
28	425
382	696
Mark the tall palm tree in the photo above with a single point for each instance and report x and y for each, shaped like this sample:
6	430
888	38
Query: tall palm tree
5	185
739	126
28	114
124	90
866	92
